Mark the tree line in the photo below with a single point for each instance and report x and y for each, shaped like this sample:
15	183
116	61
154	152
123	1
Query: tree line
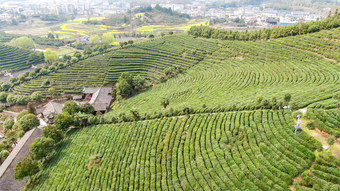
333	21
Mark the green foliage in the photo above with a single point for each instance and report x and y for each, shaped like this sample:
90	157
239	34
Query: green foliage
331	141
192	145
63	120
26	168
53	132
50	56
37	96
41	147
87	108
94	39
22	114
8	124
3	96
271	33
23	42
107	38
28	122
71	107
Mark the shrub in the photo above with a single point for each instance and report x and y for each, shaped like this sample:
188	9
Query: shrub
310	125
41	147
331	141
37	96
28	122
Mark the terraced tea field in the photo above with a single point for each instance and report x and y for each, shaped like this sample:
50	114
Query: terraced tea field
326	120
148	59
323	175
220	151
236	75
12	58
89	72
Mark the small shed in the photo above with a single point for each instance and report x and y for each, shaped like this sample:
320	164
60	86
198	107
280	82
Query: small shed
100	98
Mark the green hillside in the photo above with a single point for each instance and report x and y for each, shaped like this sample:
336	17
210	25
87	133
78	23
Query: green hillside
240	75
148	59
224	128
235	150
12	58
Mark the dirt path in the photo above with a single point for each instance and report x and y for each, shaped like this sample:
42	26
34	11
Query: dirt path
322	137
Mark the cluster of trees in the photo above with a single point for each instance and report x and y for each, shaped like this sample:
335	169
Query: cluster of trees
271	33
122	44
25	121
160	9
274	103
73	115
4	37
170	72
22	42
129	85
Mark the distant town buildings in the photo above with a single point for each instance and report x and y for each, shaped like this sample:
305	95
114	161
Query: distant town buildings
76	8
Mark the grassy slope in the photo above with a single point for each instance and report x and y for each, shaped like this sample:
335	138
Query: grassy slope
240	72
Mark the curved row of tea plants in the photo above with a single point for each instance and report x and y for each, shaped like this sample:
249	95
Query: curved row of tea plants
323	175
90	72
151	58
244	75
12	58
326	43
223	151
148	59
326	120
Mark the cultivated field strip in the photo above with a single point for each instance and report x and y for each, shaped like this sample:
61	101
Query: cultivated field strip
323	175
151	58
12	58
220	151
238	73
326	120
148	59
90	72
326	43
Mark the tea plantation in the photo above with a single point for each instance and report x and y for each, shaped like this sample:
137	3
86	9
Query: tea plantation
12	58
148	59
241	75
254	150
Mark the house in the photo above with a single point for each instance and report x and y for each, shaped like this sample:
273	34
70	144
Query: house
83	40
100	98
7	181
50	110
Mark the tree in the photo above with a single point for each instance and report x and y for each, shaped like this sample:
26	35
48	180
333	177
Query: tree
151	36
165	103
22	100
87	108
130	42
28	122
53	132
3	96
5	86
287	98
121	44
26	167
37	96
71	107
138	83
171	33
41	147
22	42
30	107
77	55
63	120
52	91
21	114
50	56
8	125
22	78
107	38
95	39
124	88
11	99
